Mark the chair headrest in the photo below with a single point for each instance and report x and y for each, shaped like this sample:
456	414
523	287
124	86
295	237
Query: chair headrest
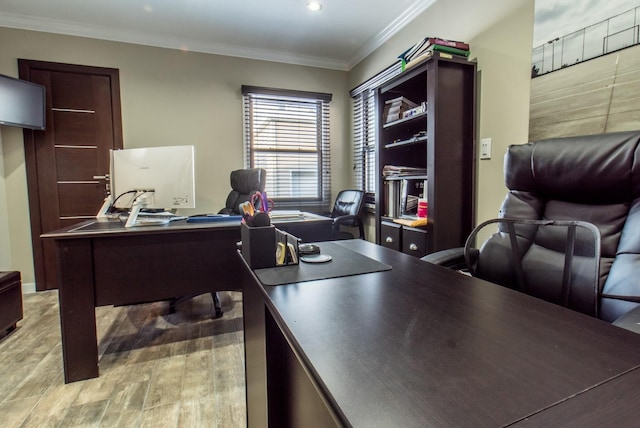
600	169
348	202
245	181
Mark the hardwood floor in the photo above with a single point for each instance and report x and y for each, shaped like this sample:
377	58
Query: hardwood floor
156	369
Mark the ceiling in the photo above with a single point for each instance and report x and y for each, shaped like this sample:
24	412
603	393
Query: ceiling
341	34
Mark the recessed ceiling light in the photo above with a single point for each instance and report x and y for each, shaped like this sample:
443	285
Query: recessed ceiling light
314	6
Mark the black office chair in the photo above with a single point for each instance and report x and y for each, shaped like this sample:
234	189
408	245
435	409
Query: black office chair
557	261
244	183
347	212
593	179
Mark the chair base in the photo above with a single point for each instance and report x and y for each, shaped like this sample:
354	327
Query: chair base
216	304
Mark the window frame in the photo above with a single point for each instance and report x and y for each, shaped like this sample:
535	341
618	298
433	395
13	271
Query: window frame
364	132
254	101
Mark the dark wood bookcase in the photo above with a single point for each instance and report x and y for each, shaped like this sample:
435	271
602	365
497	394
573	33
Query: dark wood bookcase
442	142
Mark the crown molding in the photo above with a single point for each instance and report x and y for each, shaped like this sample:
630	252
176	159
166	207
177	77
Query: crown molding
158	40
390	30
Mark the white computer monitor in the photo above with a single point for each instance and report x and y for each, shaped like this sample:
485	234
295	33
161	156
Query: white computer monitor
160	178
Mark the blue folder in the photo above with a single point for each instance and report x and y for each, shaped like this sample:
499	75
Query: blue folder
208	218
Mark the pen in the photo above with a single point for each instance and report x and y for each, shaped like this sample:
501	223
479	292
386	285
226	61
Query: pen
265	203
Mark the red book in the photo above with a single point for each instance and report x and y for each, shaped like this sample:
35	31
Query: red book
451	43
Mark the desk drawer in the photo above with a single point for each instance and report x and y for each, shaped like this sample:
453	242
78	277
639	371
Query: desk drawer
390	235
414	241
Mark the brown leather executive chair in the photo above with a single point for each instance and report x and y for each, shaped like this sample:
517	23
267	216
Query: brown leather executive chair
593	179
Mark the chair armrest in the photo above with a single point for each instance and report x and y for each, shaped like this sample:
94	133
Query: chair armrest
348	220
453	258
351	221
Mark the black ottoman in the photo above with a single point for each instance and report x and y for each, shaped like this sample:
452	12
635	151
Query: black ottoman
10	301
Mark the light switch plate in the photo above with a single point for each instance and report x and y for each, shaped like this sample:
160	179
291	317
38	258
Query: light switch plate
485	148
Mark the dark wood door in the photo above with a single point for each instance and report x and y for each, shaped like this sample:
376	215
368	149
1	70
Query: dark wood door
66	163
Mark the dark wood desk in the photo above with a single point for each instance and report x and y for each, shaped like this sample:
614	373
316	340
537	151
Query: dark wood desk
420	345
612	404
102	263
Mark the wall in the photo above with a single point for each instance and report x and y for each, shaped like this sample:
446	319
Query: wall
502	49
169	97
172	97
5	253
504	61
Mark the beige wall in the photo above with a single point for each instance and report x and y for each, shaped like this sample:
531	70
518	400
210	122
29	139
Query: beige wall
504	61
503	52
169	97
5	248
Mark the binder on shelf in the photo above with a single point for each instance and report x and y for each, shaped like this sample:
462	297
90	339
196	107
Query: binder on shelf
392	201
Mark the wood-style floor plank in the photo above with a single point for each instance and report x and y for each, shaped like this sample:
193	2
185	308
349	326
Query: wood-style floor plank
157	369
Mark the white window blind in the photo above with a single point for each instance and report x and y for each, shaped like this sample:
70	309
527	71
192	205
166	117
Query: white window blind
364	130
287	133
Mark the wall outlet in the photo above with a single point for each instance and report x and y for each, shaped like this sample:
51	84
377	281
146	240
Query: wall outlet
485	148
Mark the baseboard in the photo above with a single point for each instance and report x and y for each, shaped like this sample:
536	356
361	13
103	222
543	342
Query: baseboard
28	287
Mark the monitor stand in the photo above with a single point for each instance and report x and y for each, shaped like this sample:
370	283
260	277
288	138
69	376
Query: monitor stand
104	209
139	202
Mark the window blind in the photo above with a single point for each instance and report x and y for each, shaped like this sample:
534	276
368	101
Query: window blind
364	129
287	133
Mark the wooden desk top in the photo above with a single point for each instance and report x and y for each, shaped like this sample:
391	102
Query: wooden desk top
612	404
421	345
107	227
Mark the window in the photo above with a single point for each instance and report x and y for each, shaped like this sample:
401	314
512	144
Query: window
364	131
287	133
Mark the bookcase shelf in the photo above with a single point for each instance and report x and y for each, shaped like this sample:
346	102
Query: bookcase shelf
406	177
399	143
440	141
403	120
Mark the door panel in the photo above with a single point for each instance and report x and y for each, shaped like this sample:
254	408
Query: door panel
78	200
74	164
74	127
83	124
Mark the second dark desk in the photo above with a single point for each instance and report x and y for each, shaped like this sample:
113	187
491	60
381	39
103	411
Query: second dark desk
102	263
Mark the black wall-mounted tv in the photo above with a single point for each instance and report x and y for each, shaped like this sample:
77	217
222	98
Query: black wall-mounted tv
22	103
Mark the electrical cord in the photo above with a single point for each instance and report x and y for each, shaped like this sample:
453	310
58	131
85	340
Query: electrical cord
113	204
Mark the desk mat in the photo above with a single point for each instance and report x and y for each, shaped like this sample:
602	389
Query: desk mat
344	263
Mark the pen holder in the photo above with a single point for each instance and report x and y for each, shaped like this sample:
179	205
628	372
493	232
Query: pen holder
258	245
266	246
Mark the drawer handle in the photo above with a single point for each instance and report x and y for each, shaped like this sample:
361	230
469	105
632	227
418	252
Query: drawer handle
389	240
413	247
